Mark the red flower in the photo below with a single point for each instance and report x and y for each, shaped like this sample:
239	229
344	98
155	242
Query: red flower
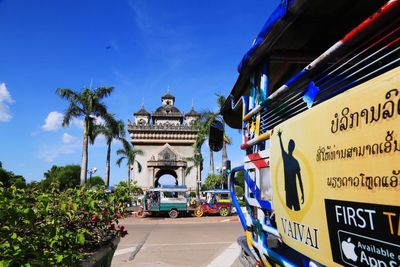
105	211
94	218
124	233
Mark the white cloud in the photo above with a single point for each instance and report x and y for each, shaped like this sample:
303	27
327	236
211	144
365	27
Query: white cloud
49	153
5	101
67	138
69	145
53	121
142	18
77	122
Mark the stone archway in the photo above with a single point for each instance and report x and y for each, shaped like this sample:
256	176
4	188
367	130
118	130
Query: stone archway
166	137
161	173
167	161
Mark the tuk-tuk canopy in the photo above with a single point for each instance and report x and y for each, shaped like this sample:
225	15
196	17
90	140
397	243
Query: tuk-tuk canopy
165	188
217	191
296	33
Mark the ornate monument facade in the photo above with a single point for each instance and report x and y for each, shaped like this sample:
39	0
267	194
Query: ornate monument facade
166	138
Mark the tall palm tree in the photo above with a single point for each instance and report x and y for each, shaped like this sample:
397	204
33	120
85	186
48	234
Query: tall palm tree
129	153
204	123
197	160
226	140
111	129
88	105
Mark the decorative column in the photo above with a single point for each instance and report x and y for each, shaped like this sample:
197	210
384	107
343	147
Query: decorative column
183	176
151	176
180	177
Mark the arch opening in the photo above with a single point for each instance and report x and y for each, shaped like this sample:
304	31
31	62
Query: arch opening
166	177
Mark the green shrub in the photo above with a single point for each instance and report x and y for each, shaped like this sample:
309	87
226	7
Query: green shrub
96	180
56	228
8	178
192	194
238	191
214	181
61	177
242	203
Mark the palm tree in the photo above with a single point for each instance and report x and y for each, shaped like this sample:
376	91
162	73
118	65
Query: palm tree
226	141
111	129
129	153
204	123
197	160
88	105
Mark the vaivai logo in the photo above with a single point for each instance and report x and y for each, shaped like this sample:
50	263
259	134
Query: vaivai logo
294	179
294	182
292	174
362	234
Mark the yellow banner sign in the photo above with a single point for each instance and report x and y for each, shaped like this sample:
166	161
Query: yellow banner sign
336	177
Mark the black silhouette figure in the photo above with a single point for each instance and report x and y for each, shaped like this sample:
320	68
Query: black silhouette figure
291	169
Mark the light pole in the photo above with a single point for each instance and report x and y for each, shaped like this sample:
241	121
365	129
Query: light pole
219	171
91	171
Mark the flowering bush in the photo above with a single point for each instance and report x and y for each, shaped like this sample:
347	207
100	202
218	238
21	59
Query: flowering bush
56	228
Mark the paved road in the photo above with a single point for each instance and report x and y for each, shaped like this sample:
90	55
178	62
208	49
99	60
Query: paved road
207	241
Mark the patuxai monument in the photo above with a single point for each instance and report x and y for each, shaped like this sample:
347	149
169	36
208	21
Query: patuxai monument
166	137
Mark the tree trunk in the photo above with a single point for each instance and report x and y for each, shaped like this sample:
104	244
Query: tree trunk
84	162
198	182
108	164
211	162
132	171
129	175
224	158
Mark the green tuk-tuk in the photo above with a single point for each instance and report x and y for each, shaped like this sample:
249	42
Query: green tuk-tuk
166	199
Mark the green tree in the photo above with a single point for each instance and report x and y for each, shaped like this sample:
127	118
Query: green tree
111	129
239	191
88	105
197	160
239	179
226	141
8	178
204	123
62	177
95	180
129	153
214	181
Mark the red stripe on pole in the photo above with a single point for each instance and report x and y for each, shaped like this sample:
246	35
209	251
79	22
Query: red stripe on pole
257	161
366	23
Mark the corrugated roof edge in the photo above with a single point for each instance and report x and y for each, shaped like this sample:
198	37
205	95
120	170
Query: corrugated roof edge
277	14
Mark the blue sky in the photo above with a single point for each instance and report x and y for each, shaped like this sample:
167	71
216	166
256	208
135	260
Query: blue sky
139	47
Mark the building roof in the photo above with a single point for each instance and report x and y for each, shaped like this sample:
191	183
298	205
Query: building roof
168	96
142	111
167	110
192	113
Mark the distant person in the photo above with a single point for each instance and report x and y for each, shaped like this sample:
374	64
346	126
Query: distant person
154	197
210	200
291	169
